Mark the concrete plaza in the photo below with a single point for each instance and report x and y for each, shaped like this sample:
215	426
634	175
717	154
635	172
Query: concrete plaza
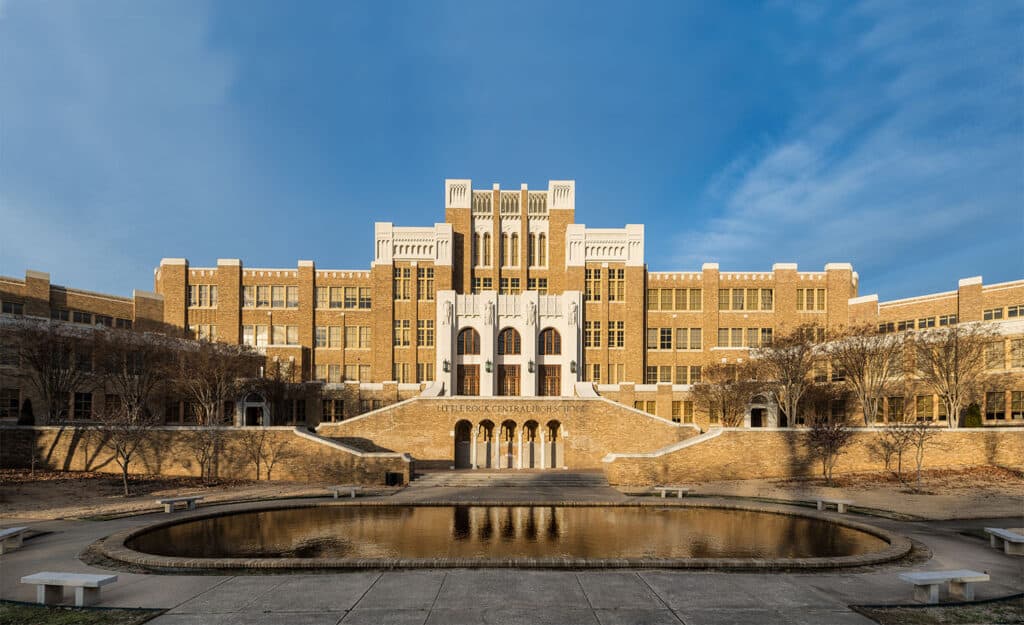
457	596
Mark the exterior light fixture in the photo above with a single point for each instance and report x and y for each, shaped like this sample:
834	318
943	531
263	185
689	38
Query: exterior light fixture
488	366
446	366
572	366
529	366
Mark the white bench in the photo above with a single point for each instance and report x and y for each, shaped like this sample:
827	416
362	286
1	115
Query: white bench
50	586
351	490
171	503
678	490
10	538
1011	542
840	504
961	584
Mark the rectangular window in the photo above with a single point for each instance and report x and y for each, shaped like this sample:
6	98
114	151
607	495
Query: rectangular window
332	410
249	296
895	408
723	299
320	336
400	372
995	358
767	299
616	334
723	337
616	285
737	299
651	376
677	411
595	373
995	405
924	407
993	314
752	337
1017	353
1015	311
401	283
364	297
279	335
766	337
357	337
884	328
652	299
538	284
753	299
60	314
277	297
104	320
665	338
926	322
351	372
687	411
946	320
695	374
334	337
666	298
81	317
695	299
906	324
592	285
681	300
682	340
193	295
292	297
681	372
123	324
320	373
9	402
425	283
592	334
425	332
696	339
401	333
261	336
323	298
344	297
736	337
425	372
83	406
616	373
652	338
262	296
12	308
665	374
1017	405
334	374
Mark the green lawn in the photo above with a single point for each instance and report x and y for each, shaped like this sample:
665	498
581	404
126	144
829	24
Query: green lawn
25	614
1001	612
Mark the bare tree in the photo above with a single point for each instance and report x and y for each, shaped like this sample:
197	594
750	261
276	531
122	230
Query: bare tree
871	363
279	388
725	392
276	451
919	433
786	365
893	442
56	357
134	368
950	361
827	438
264	449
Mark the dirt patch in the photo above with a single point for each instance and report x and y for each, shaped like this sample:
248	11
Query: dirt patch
1009	611
27	614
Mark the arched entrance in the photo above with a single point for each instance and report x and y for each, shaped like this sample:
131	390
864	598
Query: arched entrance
254	410
506	450
531	452
553	456
761	414
485	446
463	435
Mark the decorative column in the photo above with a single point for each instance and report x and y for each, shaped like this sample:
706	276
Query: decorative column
543	451
472	447
496	446
519	455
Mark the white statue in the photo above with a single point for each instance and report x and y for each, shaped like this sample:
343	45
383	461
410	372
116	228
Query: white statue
447	320
489	313
572	313
531	313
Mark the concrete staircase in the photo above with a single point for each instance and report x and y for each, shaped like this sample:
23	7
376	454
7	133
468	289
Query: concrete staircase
510	478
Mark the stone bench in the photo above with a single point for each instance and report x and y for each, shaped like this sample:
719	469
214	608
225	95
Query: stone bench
10	538
351	490
50	587
171	503
678	490
961	584
840	504
1011	542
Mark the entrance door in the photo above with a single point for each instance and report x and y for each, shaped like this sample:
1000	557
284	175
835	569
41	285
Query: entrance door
468	380
463	432
757	417
253	415
549	380
508	380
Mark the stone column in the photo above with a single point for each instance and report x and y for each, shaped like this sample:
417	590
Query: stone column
519	455
496	445
472	446
543	451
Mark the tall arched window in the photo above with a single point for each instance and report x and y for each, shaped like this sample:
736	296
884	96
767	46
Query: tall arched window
504	251
469	341
513	250
550	343
531	249
487	250
542	249
509	342
476	248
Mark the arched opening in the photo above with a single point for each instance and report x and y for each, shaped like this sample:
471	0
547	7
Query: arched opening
485	445
531	451
463	434
468	341
254	410
550	343
553	445
509	342
507	445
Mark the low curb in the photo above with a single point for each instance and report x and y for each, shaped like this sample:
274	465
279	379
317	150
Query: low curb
114	546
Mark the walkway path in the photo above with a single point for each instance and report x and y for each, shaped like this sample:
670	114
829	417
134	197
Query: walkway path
509	596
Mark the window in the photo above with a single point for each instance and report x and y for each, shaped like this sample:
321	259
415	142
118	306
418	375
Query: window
320	336
616	373
357	337
104	320
249	335
9	402
468	341
364	297
357	372
323	298
687	411
681	338
334	374
723	337
482	284
344	297
650	375
60	314
995	357
425	332
81	317
664	338
123	324
946	320
926	322
652	338
262	296
924	407
510	286
595	373
486	249
906	324
531	249
332	410
503	250
424	372
616	334
767	299
13	308
665	374
884	328
992	314
402	329
277	297
1016	353
652	299
83	406
475	251
542	250
261	336
550	343
204	332
425	283
695	374
1017	405
513	252
616	285
292	297
400	372
320	373
995	405
592	285
677	410
538	284
811	300
592	334
1015	311
895	408
738	299
402	276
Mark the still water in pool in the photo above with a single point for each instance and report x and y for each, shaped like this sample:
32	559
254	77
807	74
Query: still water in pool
505	532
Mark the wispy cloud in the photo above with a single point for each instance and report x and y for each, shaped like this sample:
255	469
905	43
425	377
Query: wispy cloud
907	159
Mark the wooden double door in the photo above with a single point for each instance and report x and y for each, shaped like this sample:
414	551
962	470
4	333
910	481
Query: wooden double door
468	380
508	380
549	380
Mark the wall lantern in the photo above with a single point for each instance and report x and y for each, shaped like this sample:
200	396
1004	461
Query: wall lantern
572	366
488	366
446	366
529	366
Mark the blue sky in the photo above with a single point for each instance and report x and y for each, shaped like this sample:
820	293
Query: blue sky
886	134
